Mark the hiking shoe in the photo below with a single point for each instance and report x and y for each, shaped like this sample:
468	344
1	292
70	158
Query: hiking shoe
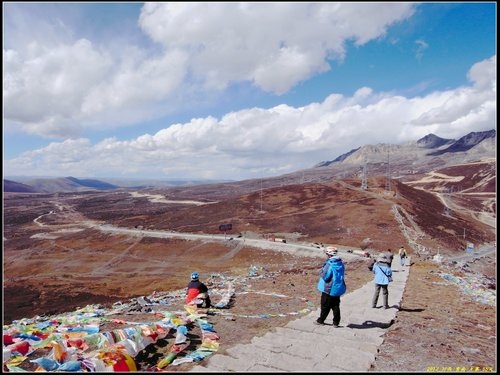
318	323
335	325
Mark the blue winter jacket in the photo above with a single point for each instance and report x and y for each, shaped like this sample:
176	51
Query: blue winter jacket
382	273
331	277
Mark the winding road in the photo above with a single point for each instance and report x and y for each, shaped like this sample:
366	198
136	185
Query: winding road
298	249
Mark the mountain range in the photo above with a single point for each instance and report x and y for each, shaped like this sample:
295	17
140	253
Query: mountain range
424	148
419	156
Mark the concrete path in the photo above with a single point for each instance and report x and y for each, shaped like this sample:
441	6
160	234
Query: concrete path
302	346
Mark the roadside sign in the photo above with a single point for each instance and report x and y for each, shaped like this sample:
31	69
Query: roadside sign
225	227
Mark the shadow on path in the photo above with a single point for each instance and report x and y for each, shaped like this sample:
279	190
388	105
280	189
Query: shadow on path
410	310
370	324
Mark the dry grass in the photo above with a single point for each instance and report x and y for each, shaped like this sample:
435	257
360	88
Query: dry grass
437	325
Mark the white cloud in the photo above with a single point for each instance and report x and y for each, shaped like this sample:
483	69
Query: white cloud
258	142
421	47
273	45
137	84
60	91
40	23
50	85
482	74
455	111
58	84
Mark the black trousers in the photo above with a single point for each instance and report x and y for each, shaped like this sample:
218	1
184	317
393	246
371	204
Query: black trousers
329	303
206	303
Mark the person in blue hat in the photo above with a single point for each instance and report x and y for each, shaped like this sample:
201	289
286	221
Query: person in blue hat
197	292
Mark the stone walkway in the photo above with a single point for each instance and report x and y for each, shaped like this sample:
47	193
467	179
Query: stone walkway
302	346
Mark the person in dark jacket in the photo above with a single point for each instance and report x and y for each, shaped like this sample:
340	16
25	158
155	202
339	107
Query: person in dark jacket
391	256
197	292
331	285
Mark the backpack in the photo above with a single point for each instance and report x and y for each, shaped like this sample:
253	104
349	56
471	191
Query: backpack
331	280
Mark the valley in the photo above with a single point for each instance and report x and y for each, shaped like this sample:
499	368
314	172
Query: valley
66	250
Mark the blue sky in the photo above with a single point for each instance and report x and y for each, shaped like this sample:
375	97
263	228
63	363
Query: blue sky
236	90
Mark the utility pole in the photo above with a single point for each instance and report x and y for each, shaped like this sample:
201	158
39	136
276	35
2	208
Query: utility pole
388	180
364	181
261	179
261	195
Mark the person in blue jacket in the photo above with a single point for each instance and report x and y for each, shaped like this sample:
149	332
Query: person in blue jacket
383	276
331	285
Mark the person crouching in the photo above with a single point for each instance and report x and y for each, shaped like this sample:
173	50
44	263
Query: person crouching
197	292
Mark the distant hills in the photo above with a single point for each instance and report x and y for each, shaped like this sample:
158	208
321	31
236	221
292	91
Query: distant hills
426	153
51	185
59	184
94	184
13	186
